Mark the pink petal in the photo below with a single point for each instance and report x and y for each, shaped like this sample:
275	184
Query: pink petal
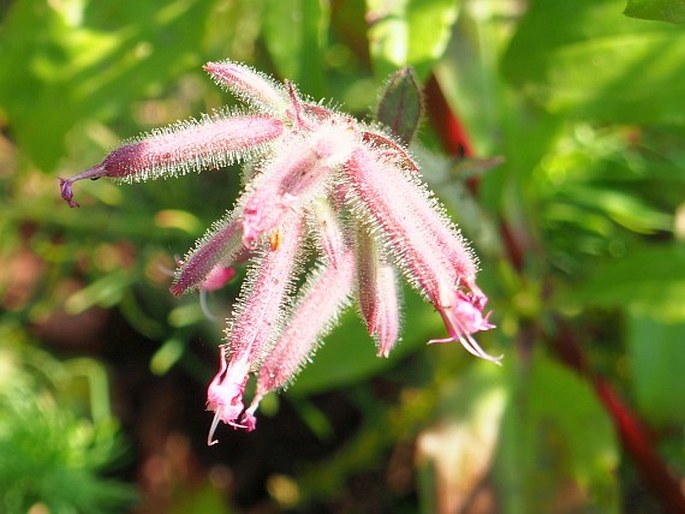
225	392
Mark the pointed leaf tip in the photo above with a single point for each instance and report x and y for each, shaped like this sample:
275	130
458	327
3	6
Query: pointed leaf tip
401	105
669	11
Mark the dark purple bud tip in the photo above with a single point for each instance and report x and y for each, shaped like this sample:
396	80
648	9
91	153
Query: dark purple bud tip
67	194
65	183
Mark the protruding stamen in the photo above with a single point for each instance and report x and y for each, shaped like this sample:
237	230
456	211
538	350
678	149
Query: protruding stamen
65	183
215	423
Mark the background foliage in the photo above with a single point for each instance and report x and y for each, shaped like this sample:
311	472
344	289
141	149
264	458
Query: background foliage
559	151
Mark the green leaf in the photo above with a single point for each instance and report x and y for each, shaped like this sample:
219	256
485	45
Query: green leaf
623	208
649	282
657	359
556	438
88	62
411	33
103	292
295	34
401	105
584	59
464	438
671	11
50	452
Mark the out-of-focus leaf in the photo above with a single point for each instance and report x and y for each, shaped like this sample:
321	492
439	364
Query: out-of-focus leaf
408	33
180	219
657	358
584	58
455	454
185	315
63	63
104	292
206	498
672	11
401	105
295	34
233	28
649	281
625	209
558	446
167	356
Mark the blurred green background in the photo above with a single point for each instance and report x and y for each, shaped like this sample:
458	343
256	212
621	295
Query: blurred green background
570	182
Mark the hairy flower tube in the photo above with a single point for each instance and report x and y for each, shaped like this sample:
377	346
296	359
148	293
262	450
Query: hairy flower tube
321	188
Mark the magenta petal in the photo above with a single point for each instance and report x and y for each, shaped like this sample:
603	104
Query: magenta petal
218	277
463	318
225	392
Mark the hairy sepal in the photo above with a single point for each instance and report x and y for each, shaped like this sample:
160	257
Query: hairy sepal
212	142
251	86
401	214
254	322
323	298
221	244
377	292
269	283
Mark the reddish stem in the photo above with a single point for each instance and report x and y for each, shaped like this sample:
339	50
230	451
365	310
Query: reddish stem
632	432
448	126
636	441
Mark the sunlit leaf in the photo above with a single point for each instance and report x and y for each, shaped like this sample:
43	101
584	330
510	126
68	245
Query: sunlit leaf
88	63
585	59
558	446
648	281
672	11
408	33
104	292
295	32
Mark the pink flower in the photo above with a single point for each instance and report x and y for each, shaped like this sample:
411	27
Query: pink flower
318	177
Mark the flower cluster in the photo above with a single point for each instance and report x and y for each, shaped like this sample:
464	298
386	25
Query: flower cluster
318	182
